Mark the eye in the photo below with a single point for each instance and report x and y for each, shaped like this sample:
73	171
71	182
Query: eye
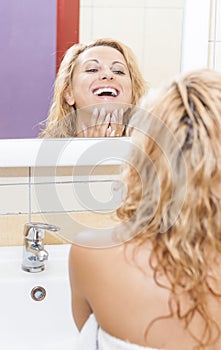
120	72
91	70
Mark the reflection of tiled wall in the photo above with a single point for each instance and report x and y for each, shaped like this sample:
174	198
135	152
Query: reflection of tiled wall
152	28
64	196
214	49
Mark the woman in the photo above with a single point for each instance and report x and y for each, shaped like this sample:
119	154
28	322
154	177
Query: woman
162	288
96	87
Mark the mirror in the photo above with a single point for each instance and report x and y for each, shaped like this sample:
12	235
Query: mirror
153	29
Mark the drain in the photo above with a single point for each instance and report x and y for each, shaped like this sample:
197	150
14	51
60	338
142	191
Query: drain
38	293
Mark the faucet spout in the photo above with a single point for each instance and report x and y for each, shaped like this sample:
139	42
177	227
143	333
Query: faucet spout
42	255
34	253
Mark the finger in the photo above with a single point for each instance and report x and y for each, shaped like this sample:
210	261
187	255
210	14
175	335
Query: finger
104	128
97	129
112	134
114	119
121	116
91	128
120	124
101	117
83	132
94	117
108	132
117	122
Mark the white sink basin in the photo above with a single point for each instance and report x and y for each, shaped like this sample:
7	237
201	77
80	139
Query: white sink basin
29	324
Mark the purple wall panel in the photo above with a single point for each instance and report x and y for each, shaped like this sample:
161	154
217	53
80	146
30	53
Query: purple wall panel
27	69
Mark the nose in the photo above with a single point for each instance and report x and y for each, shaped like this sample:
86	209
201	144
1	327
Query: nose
106	73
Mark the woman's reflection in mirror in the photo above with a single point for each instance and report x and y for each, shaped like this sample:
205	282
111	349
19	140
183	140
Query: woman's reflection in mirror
96	89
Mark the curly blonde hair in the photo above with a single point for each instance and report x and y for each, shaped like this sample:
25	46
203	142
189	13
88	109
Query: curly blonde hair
174	194
61	118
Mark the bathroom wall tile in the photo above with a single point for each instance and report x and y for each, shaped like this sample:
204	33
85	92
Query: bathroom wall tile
13	175
211	58
125	24
71	224
164	3
132	3
84	3
12	227
212	20
14	199
129	21
218	56
89	196
86	24
218	21
162	47
118	3
74	174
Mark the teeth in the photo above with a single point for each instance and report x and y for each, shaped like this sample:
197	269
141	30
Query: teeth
104	90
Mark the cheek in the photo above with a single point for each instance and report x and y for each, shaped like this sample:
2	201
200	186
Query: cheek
80	92
128	91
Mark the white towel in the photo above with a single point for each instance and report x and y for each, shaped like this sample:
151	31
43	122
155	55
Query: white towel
92	337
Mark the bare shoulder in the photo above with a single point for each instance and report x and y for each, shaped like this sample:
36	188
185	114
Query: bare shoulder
88	269
79	275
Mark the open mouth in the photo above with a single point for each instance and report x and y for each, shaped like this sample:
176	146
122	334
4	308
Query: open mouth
106	91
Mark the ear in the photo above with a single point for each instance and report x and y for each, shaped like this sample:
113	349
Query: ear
69	97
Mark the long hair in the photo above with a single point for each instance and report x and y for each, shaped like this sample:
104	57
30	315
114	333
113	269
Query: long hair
174	194
61	118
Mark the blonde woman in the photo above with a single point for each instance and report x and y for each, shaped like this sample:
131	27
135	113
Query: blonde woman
161	289
95	89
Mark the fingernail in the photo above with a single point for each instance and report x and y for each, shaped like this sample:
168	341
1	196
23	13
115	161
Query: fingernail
84	129
102	112
114	112
113	118
107	117
95	111
121	112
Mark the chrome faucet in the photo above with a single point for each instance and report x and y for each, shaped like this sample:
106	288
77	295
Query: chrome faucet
34	254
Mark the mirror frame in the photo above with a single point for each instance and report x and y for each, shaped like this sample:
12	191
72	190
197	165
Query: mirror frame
63	152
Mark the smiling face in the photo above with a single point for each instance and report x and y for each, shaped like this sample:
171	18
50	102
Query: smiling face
100	76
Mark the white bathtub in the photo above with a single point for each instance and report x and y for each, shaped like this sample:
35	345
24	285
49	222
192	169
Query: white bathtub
36	325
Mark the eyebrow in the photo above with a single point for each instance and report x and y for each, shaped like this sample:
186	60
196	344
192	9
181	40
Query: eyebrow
96	61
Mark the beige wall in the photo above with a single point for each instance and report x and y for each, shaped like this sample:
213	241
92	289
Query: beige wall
72	198
152	28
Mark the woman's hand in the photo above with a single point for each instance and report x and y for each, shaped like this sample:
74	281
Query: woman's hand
117	127
102	124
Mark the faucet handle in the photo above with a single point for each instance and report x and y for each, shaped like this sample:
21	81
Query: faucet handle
35	230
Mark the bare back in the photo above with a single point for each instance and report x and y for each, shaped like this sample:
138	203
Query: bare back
122	294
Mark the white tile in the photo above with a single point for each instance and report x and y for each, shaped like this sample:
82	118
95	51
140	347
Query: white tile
85	3
211	58
212	20
164	3
126	25
85	25
218	56
14	199
118	3
75	197
47	175
218	21
163	35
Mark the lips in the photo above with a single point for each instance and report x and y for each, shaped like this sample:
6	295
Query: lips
106	91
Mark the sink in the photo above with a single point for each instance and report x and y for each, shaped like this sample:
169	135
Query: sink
35	308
